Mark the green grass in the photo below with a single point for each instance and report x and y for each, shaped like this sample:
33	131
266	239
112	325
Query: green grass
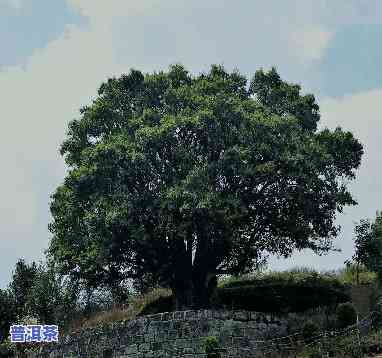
120	313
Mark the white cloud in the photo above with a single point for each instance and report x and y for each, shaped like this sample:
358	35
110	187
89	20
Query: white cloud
101	12
308	44
37	102
359	114
39	99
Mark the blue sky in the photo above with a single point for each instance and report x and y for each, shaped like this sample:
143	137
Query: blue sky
29	25
351	63
55	54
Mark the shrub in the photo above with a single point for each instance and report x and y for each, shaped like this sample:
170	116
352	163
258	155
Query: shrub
372	344
346	314
346	347
314	353
376	319
319	316
376	315
6	349
378	304
211	346
278	292
310	330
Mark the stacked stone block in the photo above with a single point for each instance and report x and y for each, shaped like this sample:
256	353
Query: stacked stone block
171	335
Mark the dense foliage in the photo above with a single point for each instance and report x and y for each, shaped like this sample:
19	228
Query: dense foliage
346	314
21	283
368	245
349	345
283	292
211	345
310	330
7	313
176	178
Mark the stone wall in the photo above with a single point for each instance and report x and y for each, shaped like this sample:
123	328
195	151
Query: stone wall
173	334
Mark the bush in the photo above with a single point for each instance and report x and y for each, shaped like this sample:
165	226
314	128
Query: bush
346	347
376	319
282	292
7	313
6	350
378	304
211	346
320	316
346	314
372	344
310	330
310	352
376	315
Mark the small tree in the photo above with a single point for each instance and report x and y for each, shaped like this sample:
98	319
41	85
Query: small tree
368	246
362	238
49	298
23	278
374	249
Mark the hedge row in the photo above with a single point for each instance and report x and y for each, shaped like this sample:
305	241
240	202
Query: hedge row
272	293
282	292
278	298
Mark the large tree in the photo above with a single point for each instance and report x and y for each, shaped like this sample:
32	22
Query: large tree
178	178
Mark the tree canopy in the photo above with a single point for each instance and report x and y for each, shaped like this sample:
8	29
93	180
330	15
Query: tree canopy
176	178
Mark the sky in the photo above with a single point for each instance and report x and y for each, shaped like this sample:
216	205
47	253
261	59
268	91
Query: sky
55	54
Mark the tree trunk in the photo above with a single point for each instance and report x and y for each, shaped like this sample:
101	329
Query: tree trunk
193	276
200	291
195	294
182	284
183	296
203	288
